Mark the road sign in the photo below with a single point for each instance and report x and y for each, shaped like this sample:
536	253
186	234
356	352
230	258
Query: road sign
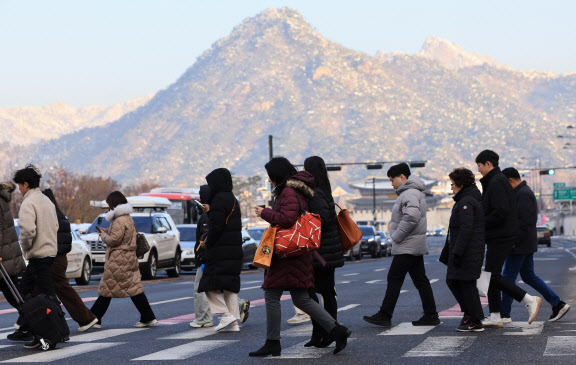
560	185
565	194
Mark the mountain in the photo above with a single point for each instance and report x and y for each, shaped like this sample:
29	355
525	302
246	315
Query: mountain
276	75
32	124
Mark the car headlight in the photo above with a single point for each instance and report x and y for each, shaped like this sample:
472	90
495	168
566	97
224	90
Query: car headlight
190	252
371	240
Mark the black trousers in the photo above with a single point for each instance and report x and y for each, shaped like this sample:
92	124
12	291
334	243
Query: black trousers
7	293
140	301
324	282
38	275
496	253
466	295
413	265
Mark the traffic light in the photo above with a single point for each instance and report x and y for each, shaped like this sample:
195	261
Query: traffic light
547	172
374	167
417	164
333	168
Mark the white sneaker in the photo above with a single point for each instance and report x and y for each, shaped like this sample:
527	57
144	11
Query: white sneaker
147	324
533	309
225	322
488	322
88	326
506	320
299	318
198	325
231	328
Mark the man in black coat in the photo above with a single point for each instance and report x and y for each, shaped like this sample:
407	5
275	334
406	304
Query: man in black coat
501	235
521	260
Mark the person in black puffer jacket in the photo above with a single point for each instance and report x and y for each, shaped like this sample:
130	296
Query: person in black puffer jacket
221	275
466	248
330	247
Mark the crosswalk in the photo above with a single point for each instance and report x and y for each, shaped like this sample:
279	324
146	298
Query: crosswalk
432	341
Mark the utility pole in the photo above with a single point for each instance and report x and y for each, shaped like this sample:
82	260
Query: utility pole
270	146
374	200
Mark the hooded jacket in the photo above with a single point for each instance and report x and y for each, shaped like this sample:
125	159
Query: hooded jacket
466	235
202	226
224	240
38	225
294	272
10	250
64	236
121	276
330	244
408	221
527	210
499	208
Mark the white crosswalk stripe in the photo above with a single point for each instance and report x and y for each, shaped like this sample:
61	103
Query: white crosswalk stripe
347	307
186	351
560	346
65	352
192	334
406	328
445	346
298	351
104	334
523	328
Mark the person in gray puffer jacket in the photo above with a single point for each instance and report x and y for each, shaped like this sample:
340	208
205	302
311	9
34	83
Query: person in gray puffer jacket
408	233
10	251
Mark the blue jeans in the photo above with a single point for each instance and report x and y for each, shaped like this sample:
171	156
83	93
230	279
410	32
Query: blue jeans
524	264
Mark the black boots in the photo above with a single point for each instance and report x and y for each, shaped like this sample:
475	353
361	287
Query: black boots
340	334
271	347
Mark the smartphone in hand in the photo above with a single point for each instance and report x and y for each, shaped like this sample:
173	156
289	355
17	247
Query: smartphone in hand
198	202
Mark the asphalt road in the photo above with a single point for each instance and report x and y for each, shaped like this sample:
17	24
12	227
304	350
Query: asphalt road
360	286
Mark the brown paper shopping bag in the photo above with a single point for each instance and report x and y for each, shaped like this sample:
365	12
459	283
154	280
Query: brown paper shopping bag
263	256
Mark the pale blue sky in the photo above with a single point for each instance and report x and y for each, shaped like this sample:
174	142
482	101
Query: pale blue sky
84	52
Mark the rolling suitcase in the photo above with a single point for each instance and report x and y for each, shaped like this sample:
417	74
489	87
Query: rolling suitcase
41	316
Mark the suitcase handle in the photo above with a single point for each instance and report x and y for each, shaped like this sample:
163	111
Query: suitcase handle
11	285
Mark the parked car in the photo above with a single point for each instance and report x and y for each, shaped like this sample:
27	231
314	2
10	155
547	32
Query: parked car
385	245
187	243
79	258
439	232
249	246
256	233
354	253
370	242
156	224
543	234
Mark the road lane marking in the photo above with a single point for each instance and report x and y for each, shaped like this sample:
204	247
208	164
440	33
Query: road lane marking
186	351
433	281
303	330
385	268
65	352
546	281
560	346
455	311
12	310
172	300
347	307
406	328
445	346
403	291
526	329
343	282
252	287
192	334
298	351
252	282
101	335
373	281
352	274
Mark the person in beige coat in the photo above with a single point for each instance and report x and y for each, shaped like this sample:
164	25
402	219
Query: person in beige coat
121	276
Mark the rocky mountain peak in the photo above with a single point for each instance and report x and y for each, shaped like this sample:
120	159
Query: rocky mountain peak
452	56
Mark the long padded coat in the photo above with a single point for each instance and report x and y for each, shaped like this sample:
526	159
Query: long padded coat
224	240
10	250
294	272
121	276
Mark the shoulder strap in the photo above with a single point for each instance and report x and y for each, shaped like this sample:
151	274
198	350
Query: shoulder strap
299	202
234	206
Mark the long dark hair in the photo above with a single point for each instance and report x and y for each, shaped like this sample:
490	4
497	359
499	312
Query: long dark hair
50	194
279	169
115	199
316	166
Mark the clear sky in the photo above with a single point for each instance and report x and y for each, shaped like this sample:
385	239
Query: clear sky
83	52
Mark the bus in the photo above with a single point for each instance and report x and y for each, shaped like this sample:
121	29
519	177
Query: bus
183	208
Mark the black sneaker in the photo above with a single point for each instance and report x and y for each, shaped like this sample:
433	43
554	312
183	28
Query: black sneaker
558	311
32	345
20	335
379	319
427	320
470	327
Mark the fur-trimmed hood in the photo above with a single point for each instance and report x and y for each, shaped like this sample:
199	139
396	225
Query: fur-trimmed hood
122	209
6	189
302	181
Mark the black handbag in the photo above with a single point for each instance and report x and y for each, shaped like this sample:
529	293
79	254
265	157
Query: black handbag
142	245
446	250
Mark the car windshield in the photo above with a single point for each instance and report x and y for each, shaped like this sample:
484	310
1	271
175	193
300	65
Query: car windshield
143	224
367	231
256	233
187	233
